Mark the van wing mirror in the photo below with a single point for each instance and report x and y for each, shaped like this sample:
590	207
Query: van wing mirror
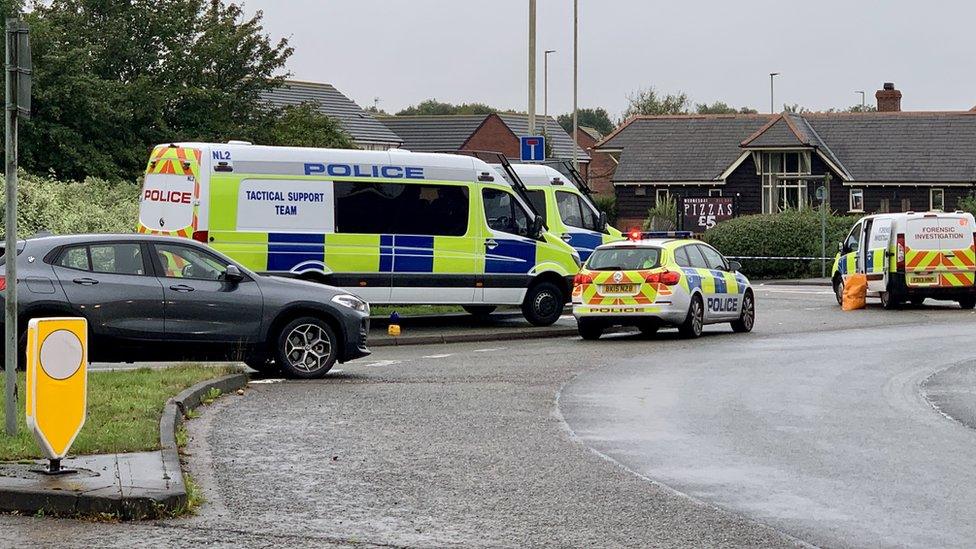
537	225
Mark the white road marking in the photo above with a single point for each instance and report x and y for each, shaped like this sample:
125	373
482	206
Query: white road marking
439	356
383	363
489	350
264	381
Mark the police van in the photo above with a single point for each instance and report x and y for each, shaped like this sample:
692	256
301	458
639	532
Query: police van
391	226
908	257
566	209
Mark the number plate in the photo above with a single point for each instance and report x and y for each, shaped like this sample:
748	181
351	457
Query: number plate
923	280
619	288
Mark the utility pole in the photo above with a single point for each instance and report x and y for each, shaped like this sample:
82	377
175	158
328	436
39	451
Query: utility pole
545	93
17	93
772	104
575	84
862	99
532	67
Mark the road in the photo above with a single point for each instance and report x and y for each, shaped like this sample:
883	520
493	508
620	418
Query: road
813	429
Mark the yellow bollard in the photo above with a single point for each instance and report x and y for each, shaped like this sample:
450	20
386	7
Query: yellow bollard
393	330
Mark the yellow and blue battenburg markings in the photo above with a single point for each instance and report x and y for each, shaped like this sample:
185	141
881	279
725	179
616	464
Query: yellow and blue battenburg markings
713	282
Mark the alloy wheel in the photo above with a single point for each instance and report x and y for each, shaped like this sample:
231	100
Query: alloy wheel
308	347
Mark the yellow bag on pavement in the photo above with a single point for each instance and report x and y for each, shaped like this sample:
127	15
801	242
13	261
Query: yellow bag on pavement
855	292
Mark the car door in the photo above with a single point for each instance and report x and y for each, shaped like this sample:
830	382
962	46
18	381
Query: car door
581	222
111	285
200	306
723	303
508	248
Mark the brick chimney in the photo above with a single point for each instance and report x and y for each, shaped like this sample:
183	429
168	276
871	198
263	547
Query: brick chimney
889	99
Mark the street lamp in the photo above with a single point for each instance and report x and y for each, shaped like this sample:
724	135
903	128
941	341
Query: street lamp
772	109
545	92
575	83
862	98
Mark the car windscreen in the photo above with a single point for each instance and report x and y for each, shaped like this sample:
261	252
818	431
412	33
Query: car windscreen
624	259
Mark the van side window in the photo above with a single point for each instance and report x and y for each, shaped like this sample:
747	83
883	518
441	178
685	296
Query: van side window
538	201
396	208
575	212
504	213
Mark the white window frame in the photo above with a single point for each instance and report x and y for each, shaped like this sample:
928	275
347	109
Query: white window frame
661	192
850	200
768	178
932	198
714	192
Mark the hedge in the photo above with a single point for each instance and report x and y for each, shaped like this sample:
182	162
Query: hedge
90	206
787	234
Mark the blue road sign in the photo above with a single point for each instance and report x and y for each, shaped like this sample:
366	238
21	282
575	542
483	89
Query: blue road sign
533	148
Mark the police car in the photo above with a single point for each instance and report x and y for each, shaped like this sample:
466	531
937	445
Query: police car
656	279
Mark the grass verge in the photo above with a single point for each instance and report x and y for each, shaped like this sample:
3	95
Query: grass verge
414	310
124	408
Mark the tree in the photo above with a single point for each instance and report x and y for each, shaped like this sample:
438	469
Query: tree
720	107
112	78
859	108
597	118
435	107
304	126
648	101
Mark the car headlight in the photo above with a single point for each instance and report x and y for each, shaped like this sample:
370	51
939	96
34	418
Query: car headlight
352	302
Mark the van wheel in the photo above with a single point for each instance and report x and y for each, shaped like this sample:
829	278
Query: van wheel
479	310
839	290
306	348
589	329
543	304
692	327
747	319
889	302
967	302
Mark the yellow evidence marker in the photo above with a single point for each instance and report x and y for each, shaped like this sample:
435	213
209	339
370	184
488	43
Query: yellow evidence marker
57	384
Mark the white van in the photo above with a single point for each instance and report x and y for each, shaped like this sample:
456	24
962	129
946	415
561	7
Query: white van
908	257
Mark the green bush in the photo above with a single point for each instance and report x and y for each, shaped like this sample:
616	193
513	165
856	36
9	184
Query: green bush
967	203
607	203
663	216
787	234
90	206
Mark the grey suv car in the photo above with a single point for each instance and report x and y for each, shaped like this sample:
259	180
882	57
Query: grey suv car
158	298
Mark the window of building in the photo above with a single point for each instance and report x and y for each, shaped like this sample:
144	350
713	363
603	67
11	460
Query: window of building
906	204
937	199
538	201
505	213
885	206
396	208
662	195
857	200
575	212
787	194
714	192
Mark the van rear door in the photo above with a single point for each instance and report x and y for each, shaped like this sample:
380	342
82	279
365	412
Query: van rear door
170	192
939	250
956	245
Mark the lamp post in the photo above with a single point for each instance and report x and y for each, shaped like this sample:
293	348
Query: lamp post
545	92
772	108
531	109
862	99
575	84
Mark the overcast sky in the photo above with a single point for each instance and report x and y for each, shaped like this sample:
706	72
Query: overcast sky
464	50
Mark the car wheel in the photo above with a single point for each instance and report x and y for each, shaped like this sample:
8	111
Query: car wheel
589	329
543	304
480	311
967	302
306	348
839	290
648	328
747	318
695	321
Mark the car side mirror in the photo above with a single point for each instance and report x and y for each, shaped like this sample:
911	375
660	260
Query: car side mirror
603	222
233	274
537	225
735	266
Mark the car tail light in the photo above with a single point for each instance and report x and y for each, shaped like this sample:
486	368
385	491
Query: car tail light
582	278
652	278
3	283
670	278
201	236
900	252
